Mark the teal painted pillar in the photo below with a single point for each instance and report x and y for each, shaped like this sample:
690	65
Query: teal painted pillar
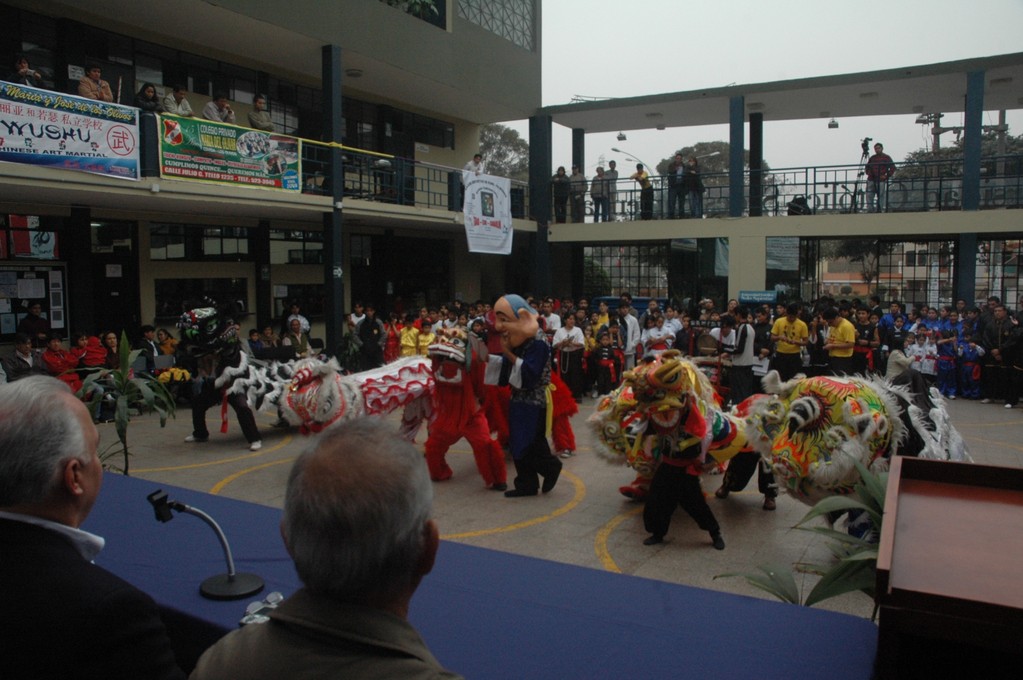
579	148
966	267
333	221
737	142
971	147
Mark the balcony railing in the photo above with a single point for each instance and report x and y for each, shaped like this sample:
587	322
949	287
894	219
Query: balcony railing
928	186
368	175
389	179
920	187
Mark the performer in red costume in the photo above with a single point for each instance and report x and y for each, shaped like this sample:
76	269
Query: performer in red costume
565	407
459	362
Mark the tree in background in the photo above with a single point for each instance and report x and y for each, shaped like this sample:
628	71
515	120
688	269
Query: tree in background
505	153
866	252
716	166
948	161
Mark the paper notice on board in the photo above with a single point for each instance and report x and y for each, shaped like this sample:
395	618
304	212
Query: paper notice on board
31	289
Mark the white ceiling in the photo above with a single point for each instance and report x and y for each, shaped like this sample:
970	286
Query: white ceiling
933	88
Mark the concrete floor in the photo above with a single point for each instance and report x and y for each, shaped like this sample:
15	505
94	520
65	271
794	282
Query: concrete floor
583	521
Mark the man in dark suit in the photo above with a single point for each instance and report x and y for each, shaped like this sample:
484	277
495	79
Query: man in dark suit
61	615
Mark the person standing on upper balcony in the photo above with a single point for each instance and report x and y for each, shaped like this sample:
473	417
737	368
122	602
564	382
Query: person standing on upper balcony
218	109
693	186
611	175
646	192
23	74
676	187
259	117
577	183
598	192
880	169
560	183
476	165
94	87
175	103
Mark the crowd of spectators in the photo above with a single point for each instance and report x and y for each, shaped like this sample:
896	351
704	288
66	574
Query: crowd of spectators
965	352
568	192
148	99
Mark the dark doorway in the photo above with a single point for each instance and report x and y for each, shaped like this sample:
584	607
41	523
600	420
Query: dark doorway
399	273
114	270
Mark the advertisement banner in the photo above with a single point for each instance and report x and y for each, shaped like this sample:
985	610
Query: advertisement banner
40	127
193	148
487	211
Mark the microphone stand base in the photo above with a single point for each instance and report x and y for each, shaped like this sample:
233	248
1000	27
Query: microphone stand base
227	587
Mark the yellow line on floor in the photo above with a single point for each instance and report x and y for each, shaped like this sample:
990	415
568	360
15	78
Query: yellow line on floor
219	486
600	542
580	493
221	461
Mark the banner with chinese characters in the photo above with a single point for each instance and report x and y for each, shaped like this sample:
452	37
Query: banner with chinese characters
192	148
487	210
55	130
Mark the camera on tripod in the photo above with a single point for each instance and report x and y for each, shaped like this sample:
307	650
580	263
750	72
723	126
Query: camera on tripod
865	145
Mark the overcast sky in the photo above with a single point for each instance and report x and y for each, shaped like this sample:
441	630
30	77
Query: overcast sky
610	48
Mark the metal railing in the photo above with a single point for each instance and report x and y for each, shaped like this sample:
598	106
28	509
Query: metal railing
390	179
928	186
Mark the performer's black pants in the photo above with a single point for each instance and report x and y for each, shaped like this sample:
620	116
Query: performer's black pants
672	485
211	396
536	459
740	471
787	365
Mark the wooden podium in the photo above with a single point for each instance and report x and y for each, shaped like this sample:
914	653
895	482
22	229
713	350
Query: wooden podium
950	571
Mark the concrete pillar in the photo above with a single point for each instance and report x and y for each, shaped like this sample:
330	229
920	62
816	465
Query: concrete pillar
747	264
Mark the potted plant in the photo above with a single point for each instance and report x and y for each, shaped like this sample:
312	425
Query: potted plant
855	565
127	390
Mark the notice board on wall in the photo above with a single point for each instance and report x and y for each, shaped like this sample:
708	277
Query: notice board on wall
23	285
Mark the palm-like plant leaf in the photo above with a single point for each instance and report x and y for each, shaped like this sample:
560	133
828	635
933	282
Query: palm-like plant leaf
774	579
855	567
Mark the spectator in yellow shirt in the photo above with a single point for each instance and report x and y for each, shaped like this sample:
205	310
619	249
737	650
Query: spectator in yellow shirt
840	344
790	334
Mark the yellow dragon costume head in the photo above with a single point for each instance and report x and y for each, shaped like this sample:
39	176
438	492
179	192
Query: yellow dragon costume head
666	399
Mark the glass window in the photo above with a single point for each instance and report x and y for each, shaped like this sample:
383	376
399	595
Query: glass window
639	269
111	237
174	296
149	69
509	19
296	247
196	242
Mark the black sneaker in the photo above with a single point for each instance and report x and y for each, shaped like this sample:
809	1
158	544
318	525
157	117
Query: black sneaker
518	493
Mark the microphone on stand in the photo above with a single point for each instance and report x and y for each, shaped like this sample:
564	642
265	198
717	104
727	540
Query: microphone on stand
229	586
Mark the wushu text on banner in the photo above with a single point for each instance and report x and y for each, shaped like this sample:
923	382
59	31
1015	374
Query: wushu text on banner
50	129
488	219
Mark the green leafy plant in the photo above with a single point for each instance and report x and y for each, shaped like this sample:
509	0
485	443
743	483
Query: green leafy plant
348	352
855	559
128	391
